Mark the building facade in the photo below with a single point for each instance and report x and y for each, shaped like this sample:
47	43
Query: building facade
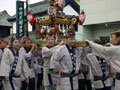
102	17
5	26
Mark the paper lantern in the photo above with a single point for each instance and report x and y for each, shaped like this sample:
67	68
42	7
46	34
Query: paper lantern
30	18
81	18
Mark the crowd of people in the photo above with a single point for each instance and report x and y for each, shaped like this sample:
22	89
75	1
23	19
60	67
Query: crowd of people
26	65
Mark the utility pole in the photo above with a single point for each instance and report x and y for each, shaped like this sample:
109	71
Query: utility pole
27	34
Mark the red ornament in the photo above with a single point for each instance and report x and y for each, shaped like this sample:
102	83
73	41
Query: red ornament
54	30
81	18
37	31
30	18
61	3
51	11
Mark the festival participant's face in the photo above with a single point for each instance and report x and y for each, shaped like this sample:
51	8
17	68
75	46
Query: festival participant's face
50	41
114	40
22	41
28	44
71	41
9	42
16	44
3	45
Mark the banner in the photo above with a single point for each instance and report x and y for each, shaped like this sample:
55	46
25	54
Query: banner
19	19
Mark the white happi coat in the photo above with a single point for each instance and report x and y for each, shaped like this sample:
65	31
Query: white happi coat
62	59
46	55
28	56
109	53
117	84
37	56
1	53
97	71
83	69
6	66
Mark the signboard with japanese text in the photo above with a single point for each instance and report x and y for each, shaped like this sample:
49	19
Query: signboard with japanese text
19	19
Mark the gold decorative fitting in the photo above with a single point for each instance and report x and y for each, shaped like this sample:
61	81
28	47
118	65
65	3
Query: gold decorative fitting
56	22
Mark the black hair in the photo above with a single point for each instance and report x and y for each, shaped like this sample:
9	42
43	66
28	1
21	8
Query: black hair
51	34
117	34
13	39
70	34
97	41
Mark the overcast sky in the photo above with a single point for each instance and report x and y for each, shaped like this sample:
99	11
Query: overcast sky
10	5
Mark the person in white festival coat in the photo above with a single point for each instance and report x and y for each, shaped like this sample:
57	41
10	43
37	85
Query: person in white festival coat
13	65
68	58
109	53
